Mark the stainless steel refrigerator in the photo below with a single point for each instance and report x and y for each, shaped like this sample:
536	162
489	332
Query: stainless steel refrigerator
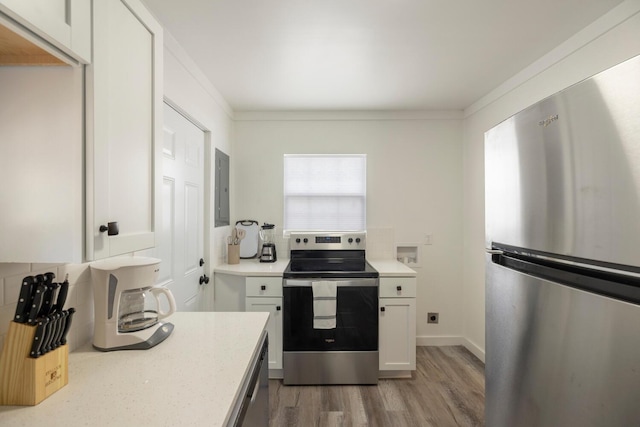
563	264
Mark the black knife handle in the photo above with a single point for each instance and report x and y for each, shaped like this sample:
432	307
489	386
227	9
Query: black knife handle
24	300
47	334
51	341
38	337
47	299
47	346
48	280
67	325
64	315
62	295
36	302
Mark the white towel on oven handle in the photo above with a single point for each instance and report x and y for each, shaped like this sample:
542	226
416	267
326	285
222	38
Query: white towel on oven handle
325	299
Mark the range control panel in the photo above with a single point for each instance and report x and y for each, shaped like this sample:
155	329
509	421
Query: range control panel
328	241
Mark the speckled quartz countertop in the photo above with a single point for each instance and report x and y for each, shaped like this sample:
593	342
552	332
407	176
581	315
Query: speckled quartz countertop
191	379
253	267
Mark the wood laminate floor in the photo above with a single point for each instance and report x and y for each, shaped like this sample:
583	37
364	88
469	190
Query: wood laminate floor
447	389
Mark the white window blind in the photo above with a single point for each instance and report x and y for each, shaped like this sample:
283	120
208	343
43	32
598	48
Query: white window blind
325	192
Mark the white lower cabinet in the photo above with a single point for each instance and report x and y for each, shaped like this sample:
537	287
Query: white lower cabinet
397	324
264	294
274	327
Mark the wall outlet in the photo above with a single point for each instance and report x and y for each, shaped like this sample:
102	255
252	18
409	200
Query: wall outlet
433	317
428	239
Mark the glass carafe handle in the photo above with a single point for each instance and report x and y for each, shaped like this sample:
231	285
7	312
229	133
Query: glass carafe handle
159	290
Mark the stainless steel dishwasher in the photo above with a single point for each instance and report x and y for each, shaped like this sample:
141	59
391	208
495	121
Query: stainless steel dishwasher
252	408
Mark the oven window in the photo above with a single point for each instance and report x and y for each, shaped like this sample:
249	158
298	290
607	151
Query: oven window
356	321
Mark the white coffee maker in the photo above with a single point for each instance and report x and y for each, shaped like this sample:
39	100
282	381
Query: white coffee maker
128	305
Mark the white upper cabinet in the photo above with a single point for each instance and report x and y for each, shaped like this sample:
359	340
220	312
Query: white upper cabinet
124	127
65	24
41	149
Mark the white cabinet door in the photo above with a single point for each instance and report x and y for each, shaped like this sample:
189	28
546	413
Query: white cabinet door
397	334
66	24
41	146
124	125
274	328
182	231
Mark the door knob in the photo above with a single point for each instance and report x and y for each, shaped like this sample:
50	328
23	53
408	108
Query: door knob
204	279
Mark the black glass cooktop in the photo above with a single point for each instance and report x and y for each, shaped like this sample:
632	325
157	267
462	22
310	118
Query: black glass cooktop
307	264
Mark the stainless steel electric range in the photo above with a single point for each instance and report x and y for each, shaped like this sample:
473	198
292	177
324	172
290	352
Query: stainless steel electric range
330	311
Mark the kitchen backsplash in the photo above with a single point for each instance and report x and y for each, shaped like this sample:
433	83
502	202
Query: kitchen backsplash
380	244
80	296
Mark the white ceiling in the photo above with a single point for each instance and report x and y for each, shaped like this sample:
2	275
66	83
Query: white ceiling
286	55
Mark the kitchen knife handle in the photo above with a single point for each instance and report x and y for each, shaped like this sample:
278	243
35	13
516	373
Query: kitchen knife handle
63	327
48	277
50	334
62	294
38	337
24	300
36	302
55	341
67	325
47	299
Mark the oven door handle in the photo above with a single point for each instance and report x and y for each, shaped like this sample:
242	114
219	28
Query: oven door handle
290	283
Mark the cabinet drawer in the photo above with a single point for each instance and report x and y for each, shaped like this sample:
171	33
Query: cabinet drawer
264	286
397	287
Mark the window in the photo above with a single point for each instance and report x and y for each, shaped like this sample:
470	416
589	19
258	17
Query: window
325	192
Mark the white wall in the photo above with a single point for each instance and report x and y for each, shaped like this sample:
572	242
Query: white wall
187	89
414	186
608	41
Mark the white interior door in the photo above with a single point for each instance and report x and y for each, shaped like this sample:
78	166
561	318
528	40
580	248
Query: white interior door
182	247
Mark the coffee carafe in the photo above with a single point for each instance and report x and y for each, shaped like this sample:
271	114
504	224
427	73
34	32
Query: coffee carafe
140	308
128	304
268	237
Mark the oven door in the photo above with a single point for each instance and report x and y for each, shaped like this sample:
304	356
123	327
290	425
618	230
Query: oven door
356	317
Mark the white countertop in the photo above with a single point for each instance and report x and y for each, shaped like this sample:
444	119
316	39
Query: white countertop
253	267
391	268
190	379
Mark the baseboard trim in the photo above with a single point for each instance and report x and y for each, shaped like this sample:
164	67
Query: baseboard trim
394	374
473	348
276	374
439	341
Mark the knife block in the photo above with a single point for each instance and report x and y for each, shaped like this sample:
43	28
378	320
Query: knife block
25	380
